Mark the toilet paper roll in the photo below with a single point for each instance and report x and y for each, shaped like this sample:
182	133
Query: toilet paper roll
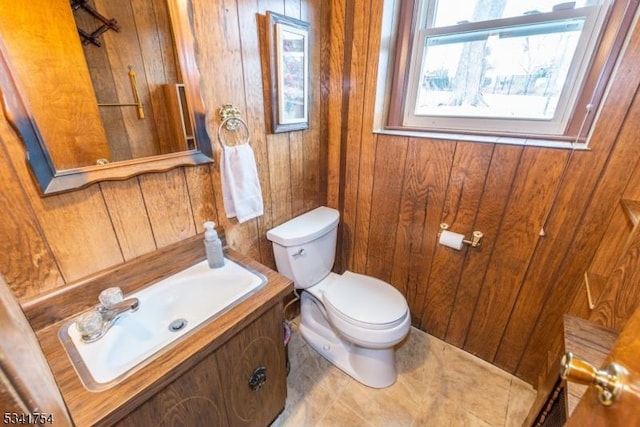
451	239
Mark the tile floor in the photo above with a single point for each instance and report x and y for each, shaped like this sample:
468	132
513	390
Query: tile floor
438	385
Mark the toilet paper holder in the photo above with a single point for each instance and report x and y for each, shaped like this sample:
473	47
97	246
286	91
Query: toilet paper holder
474	241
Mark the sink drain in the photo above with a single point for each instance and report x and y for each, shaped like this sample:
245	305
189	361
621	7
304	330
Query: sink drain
177	325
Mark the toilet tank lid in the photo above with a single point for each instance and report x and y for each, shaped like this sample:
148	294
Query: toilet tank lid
305	227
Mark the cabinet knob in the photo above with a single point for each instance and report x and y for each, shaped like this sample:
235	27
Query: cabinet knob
609	381
258	378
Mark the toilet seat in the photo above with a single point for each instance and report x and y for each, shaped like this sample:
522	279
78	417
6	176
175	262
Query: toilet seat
365	302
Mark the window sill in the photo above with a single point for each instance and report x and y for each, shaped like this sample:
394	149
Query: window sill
490	139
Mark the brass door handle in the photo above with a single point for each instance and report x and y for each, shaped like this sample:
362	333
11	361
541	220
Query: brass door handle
609	381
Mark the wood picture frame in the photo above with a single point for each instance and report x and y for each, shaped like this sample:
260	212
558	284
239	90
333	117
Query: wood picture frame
288	50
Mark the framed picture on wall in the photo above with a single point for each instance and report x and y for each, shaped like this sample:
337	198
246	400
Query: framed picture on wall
288	46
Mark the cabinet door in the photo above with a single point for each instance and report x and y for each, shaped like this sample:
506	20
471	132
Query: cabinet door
253	372
194	399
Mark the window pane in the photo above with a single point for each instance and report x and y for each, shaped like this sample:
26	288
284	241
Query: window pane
511	72
452	12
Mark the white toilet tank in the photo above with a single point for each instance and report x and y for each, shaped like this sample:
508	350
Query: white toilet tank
305	246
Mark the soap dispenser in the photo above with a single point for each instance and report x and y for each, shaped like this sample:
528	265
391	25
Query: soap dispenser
213	245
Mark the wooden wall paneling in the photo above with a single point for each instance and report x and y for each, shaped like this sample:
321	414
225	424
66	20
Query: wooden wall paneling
278	150
201	195
495	195
220	61
78	228
53	76
622	295
564	221
75	225
314	144
105	91
370	49
609	189
615	239
612	246
123	51
618	231
27	263
211	57
164	193
386	197
560	228
355	68
332	73
418	178
157	48
128	215
255	69
297	171
583	172
427	174
296	138
607	129
99	227
279	177
463	195
533	192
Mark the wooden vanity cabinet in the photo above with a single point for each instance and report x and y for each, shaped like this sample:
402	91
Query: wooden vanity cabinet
242	383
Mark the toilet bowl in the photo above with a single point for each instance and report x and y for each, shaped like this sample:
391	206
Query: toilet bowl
351	319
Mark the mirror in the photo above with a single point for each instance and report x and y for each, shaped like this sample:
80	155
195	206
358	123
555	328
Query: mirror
95	97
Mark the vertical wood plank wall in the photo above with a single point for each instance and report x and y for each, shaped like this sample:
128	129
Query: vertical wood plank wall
47	243
503	302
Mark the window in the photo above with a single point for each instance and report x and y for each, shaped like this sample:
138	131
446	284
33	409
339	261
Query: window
522	68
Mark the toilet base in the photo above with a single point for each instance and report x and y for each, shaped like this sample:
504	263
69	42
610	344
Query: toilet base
374	368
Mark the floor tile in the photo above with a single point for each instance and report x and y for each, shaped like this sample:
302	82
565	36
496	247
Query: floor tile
438	385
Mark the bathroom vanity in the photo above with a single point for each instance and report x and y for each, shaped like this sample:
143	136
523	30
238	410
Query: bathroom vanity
229	371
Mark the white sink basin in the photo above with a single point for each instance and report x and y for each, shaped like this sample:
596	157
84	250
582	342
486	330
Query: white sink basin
184	300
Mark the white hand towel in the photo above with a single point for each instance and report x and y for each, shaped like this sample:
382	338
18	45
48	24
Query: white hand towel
241	190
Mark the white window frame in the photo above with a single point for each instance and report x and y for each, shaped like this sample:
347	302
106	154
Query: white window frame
518	131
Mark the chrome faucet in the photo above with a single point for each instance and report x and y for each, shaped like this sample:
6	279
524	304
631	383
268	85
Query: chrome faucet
94	324
111	313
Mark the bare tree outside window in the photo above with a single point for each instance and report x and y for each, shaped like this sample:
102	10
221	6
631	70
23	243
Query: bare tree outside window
528	71
467	83
513	70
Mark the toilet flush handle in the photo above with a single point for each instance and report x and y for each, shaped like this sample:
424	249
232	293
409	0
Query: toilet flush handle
299	253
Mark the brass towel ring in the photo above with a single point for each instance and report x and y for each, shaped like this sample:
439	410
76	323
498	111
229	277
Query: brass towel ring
232	122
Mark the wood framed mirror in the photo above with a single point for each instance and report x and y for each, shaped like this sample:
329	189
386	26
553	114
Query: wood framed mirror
151	117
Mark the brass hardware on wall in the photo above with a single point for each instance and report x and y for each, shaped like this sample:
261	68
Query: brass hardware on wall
107	24
136	96
474	241
227	113
231	120
588	288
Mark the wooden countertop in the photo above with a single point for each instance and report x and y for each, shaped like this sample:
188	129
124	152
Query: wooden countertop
106	407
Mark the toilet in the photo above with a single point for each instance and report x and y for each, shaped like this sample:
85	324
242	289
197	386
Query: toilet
352	320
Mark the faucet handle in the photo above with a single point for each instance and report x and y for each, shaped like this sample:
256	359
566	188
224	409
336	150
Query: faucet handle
89	325
110	297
